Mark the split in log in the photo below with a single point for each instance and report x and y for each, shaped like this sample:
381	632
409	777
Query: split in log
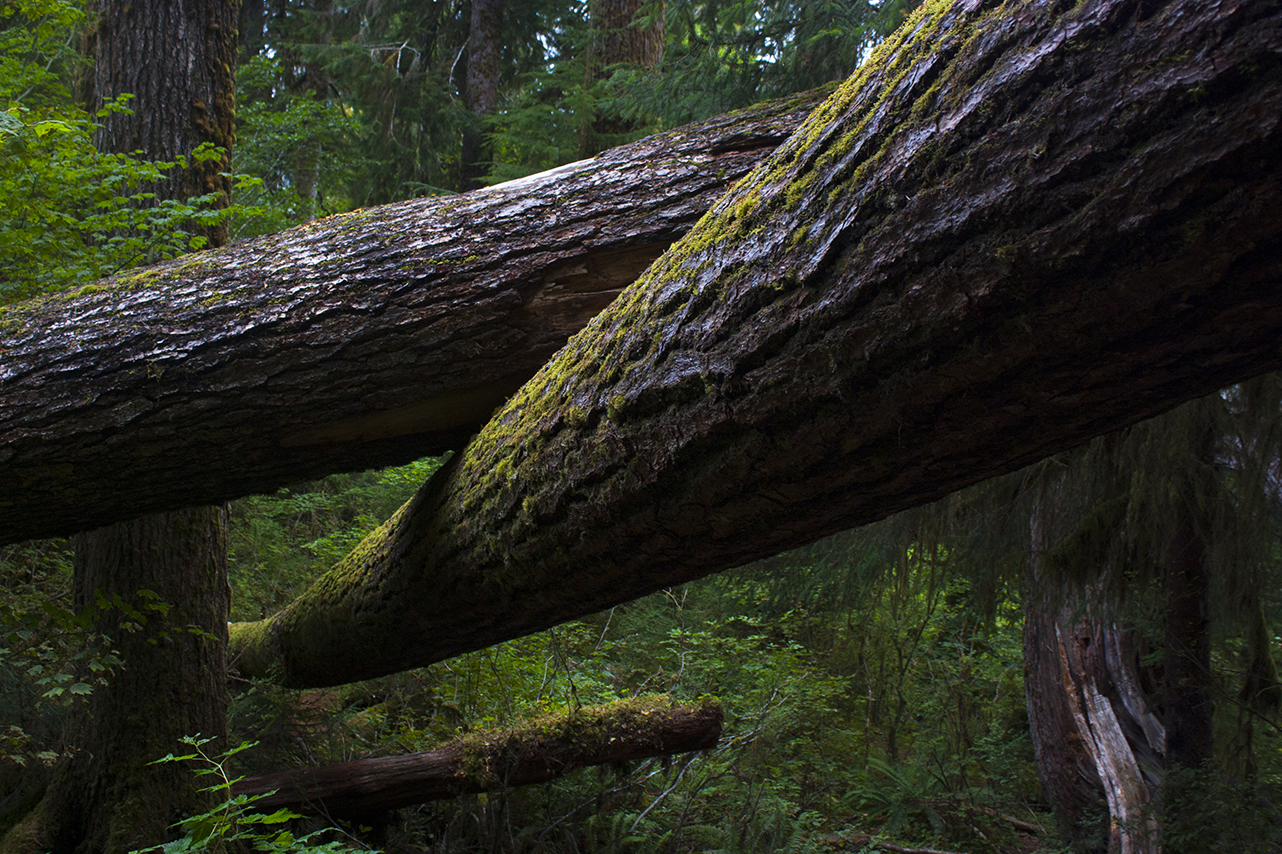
1019	226
535	752
362	340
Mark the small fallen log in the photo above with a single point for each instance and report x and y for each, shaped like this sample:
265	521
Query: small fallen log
542	749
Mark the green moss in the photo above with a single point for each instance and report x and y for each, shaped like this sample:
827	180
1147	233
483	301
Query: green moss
578	732
215	298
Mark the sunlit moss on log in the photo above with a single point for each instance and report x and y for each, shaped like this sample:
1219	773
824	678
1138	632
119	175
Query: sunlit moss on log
536	750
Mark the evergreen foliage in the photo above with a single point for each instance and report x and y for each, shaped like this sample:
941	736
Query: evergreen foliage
69	214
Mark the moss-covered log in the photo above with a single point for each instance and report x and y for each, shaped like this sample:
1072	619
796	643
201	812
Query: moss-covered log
367	339
1019	226
537	751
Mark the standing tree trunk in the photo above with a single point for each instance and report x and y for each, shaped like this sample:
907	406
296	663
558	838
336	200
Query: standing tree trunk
620	37
107	798
1186	653
1097	745
178	58
1146	497
481	93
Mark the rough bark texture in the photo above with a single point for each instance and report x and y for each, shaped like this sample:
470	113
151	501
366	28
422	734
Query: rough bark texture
107	799
1065	764
362	340
178	59
489	761
1019	226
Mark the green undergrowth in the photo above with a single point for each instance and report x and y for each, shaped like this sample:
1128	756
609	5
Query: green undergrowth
866	691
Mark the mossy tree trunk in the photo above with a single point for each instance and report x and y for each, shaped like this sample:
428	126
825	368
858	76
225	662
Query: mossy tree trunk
1020	225
107	798
489	761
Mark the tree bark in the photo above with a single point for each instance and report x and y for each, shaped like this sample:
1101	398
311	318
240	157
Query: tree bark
1098	746
363	340
489	761
1019	226
178	59
107	798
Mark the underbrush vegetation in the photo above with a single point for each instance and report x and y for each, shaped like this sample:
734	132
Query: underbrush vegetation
869	694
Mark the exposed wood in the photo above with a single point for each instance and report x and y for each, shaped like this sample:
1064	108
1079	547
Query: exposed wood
1094	736
361	340
1018	227
488	761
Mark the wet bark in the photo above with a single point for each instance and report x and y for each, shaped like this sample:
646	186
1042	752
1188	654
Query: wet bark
107	799
363	340
1016	228
487	762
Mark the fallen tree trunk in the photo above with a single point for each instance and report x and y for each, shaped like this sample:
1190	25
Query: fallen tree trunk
368	339
1019	226
536	752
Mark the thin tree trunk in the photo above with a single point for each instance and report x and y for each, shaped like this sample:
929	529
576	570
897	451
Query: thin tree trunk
1186	659
958	265
484	49
1187	656
364	340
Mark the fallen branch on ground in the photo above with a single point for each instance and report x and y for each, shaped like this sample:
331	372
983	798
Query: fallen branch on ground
535	752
